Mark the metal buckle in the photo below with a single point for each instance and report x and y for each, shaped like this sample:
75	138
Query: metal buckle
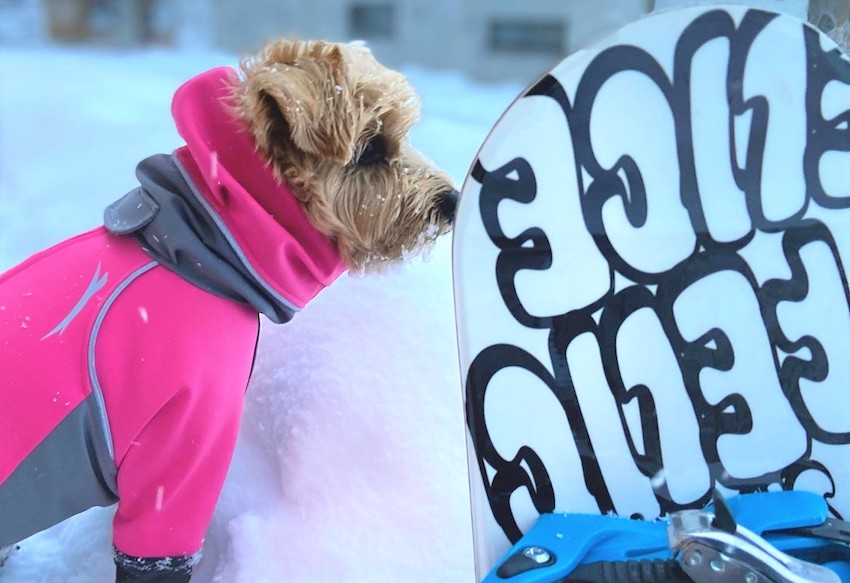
712	548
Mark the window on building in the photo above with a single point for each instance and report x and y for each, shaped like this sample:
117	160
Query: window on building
372	21
528	37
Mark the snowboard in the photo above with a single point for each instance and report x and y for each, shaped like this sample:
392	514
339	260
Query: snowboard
650	285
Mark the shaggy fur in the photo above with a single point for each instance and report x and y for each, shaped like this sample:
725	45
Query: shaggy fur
333	123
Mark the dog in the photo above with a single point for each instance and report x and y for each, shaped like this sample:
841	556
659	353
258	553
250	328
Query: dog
125	351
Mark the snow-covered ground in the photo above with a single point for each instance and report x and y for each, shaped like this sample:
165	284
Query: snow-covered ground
351	464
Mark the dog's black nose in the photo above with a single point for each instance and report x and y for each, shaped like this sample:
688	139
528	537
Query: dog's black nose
447	204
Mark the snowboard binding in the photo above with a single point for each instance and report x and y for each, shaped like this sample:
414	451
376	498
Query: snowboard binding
764	537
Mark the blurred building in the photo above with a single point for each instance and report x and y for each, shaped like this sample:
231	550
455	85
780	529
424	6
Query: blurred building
488	39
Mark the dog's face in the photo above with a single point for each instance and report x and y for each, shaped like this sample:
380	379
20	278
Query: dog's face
333	123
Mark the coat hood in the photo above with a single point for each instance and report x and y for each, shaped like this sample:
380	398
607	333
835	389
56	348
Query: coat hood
259	215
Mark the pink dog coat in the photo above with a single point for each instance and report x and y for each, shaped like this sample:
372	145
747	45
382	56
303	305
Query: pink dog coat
125	352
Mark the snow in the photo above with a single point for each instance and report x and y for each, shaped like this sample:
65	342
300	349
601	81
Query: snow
351	463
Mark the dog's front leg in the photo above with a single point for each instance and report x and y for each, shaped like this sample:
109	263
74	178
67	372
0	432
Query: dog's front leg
174	395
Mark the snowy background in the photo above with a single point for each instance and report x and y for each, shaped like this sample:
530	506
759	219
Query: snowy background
351	464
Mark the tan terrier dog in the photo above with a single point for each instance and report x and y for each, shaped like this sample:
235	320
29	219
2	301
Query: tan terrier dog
334	123
126	350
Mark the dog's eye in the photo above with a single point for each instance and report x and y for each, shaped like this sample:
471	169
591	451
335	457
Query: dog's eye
373	152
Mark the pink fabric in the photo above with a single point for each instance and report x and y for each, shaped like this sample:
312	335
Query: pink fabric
172	360
43	379
172	381
263	216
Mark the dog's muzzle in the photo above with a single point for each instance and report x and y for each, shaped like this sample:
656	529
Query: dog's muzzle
447	205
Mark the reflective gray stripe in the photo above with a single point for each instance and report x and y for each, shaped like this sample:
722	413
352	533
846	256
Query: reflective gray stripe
95	286
95	383
232	240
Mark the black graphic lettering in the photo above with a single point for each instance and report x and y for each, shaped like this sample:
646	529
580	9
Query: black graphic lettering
712	186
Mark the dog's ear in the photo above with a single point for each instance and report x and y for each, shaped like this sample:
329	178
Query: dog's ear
291	95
